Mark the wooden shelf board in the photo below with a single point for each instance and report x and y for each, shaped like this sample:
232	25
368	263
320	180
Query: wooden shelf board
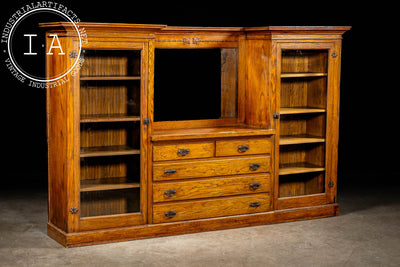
295	168
299	139
301	110
107	184
109	78
108	118
108	151
211	132
303	74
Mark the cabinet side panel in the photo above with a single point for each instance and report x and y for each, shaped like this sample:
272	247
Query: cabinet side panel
57	144
258	108
57	165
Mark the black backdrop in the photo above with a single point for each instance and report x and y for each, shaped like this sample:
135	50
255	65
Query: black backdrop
369	143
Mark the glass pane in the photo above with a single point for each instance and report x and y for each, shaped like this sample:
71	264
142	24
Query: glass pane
110	132
193	84
303	122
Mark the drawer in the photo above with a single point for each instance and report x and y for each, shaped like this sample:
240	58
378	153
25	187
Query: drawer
199	209
214	187
187	150
210	167
243	147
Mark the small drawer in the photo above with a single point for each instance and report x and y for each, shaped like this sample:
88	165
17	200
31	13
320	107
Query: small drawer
243	147
187	150
210	167
209	208
214	187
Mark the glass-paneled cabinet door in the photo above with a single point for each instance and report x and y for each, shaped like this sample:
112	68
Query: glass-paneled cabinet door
305	85
112	154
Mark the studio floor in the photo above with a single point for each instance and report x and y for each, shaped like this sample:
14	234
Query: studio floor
367	233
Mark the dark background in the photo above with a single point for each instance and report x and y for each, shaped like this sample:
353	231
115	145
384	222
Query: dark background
368	142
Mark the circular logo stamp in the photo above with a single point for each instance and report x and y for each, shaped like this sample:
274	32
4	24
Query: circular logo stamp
27	48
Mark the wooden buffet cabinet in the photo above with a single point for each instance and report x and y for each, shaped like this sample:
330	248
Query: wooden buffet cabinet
172	130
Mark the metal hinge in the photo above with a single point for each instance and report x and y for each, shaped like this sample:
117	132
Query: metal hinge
331	184
73	54
146	121
73	210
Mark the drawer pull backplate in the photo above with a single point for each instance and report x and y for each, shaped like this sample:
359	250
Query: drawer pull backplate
170	171
255	166
255	204
183	151
243	148
170	192
170	213
255	185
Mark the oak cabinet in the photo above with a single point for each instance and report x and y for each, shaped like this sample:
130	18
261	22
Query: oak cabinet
171	130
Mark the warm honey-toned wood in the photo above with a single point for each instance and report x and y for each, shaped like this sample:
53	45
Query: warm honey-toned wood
239	147
307	79
111	221
110	78
210	167
108	151
214	187
209	132
107	184
183	150
229	82
299	139
301	110
107	157
258	108
199	209
192	226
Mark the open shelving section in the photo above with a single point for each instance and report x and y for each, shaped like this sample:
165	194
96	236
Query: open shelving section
110	83
302	135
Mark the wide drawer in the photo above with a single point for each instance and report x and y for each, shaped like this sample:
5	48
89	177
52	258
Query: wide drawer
214	187
235	147
210	167
186	150
199	209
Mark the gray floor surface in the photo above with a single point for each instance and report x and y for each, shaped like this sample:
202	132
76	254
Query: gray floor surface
367	233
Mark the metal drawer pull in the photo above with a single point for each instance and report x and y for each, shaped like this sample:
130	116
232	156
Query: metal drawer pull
255	204
255	185
183	151
170	171
255	166
243	148
170	192
170	213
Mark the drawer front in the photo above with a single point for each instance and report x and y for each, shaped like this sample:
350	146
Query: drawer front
211	167
215	187
183	151
199	209
243	147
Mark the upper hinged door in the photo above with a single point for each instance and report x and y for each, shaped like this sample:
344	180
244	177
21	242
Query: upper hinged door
308	123
111	102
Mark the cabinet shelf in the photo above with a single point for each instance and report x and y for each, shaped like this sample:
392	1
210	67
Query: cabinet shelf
108	118
108	151
302	167
108	184
303	74
301	110
110	78
299	139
